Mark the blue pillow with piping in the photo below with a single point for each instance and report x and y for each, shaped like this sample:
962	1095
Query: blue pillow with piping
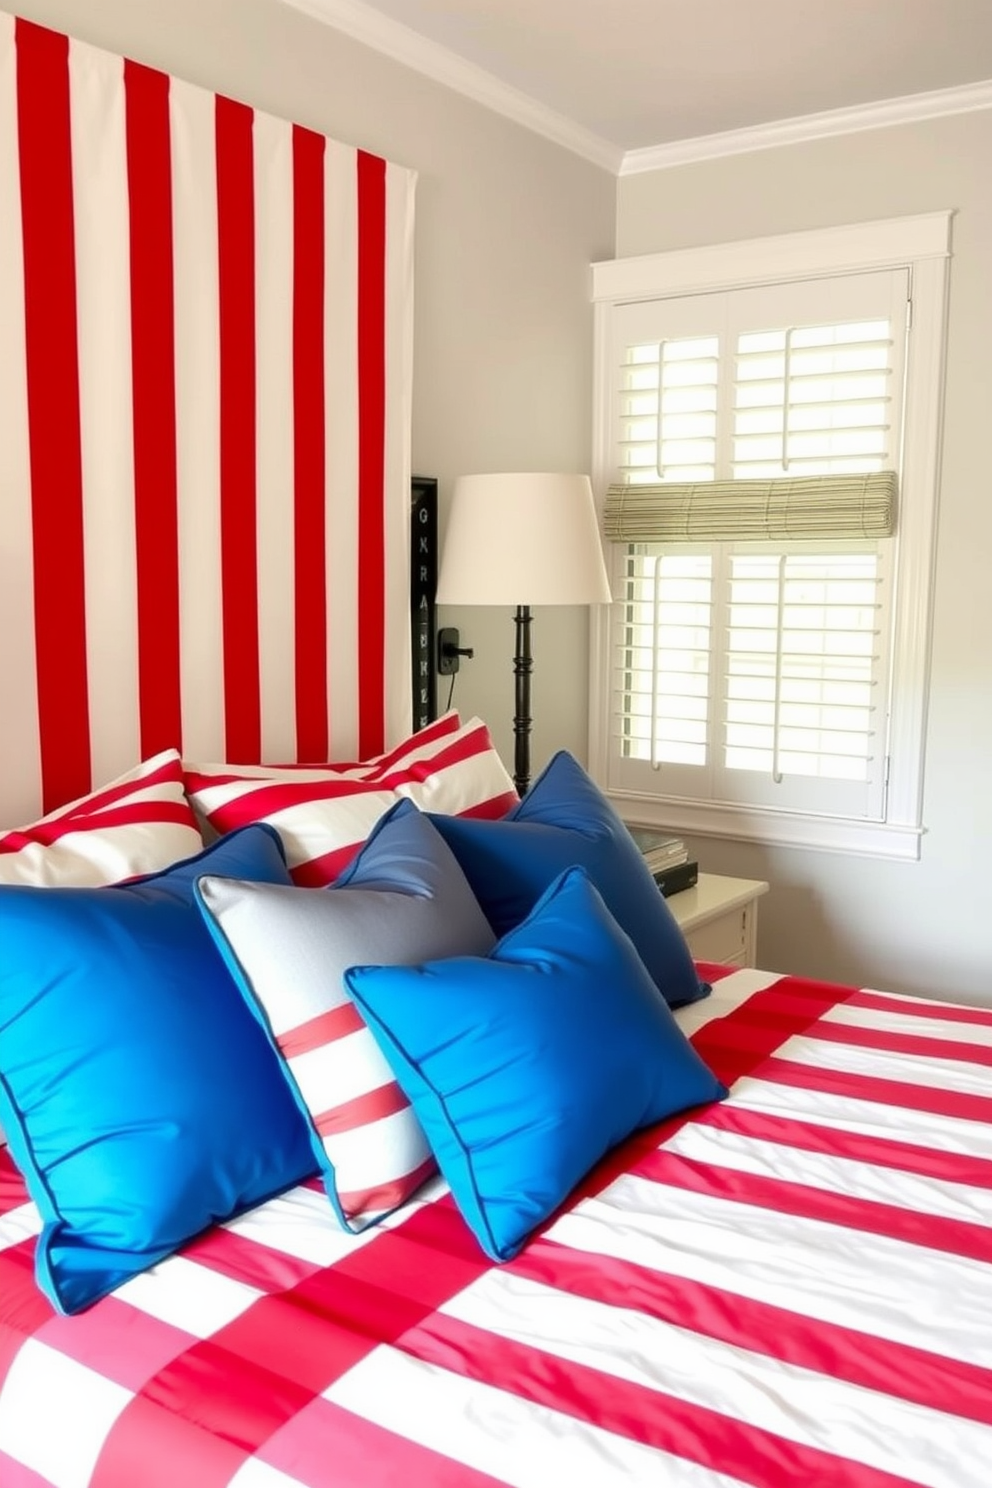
525	1067
141	1099
564	821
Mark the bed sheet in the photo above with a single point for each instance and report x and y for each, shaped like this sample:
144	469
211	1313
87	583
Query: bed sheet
791	1287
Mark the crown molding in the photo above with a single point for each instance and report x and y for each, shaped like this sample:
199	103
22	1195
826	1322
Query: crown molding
380	32
910	109
404	45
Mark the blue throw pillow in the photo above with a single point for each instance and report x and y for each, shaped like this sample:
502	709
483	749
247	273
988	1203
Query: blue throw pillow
566	820
141	1099
526	1066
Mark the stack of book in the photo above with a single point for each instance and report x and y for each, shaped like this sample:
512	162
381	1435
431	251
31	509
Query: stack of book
667	857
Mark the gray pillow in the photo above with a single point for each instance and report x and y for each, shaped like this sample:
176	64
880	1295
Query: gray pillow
402	901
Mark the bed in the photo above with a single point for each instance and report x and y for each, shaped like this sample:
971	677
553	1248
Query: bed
722	1226
791	1286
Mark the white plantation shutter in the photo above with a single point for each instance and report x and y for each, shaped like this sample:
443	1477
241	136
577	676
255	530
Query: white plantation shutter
766	441
662	672
794	380
816	399
668	409
801	663
757	440
753	675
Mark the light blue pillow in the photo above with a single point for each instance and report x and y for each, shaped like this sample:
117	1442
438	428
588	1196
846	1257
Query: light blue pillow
404	898
565	820
525	1067
141	1099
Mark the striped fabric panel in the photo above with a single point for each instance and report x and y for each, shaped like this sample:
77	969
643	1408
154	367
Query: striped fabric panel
204	428
754	1299
324	814
138	824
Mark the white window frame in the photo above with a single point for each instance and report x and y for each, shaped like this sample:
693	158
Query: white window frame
920	244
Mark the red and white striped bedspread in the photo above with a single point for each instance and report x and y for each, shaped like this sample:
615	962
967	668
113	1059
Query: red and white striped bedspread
791	1288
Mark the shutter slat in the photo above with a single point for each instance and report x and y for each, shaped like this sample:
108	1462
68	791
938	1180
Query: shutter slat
832	375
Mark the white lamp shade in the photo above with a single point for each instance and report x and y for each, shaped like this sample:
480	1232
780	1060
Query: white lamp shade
522	539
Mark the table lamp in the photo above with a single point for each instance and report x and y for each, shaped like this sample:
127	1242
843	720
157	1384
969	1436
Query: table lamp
522	540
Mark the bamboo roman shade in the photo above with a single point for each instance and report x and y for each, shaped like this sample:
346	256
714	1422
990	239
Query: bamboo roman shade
809	508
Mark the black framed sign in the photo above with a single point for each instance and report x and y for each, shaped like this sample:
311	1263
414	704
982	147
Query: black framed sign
423	582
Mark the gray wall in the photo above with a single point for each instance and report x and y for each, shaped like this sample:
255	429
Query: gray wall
507	225
923	926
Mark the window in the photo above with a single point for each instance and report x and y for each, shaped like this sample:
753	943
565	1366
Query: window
767	445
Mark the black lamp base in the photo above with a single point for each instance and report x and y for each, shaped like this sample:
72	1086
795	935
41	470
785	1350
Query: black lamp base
522	667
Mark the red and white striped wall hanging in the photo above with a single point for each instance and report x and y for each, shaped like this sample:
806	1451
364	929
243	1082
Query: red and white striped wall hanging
205	367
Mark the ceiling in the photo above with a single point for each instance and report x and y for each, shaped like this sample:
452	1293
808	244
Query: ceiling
622	79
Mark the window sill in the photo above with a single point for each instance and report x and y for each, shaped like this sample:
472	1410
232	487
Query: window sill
776	828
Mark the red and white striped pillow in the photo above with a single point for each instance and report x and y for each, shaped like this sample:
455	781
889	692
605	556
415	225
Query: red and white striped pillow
403	899
139	823
325	813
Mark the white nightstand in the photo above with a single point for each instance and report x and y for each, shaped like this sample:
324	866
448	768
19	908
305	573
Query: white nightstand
719	918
